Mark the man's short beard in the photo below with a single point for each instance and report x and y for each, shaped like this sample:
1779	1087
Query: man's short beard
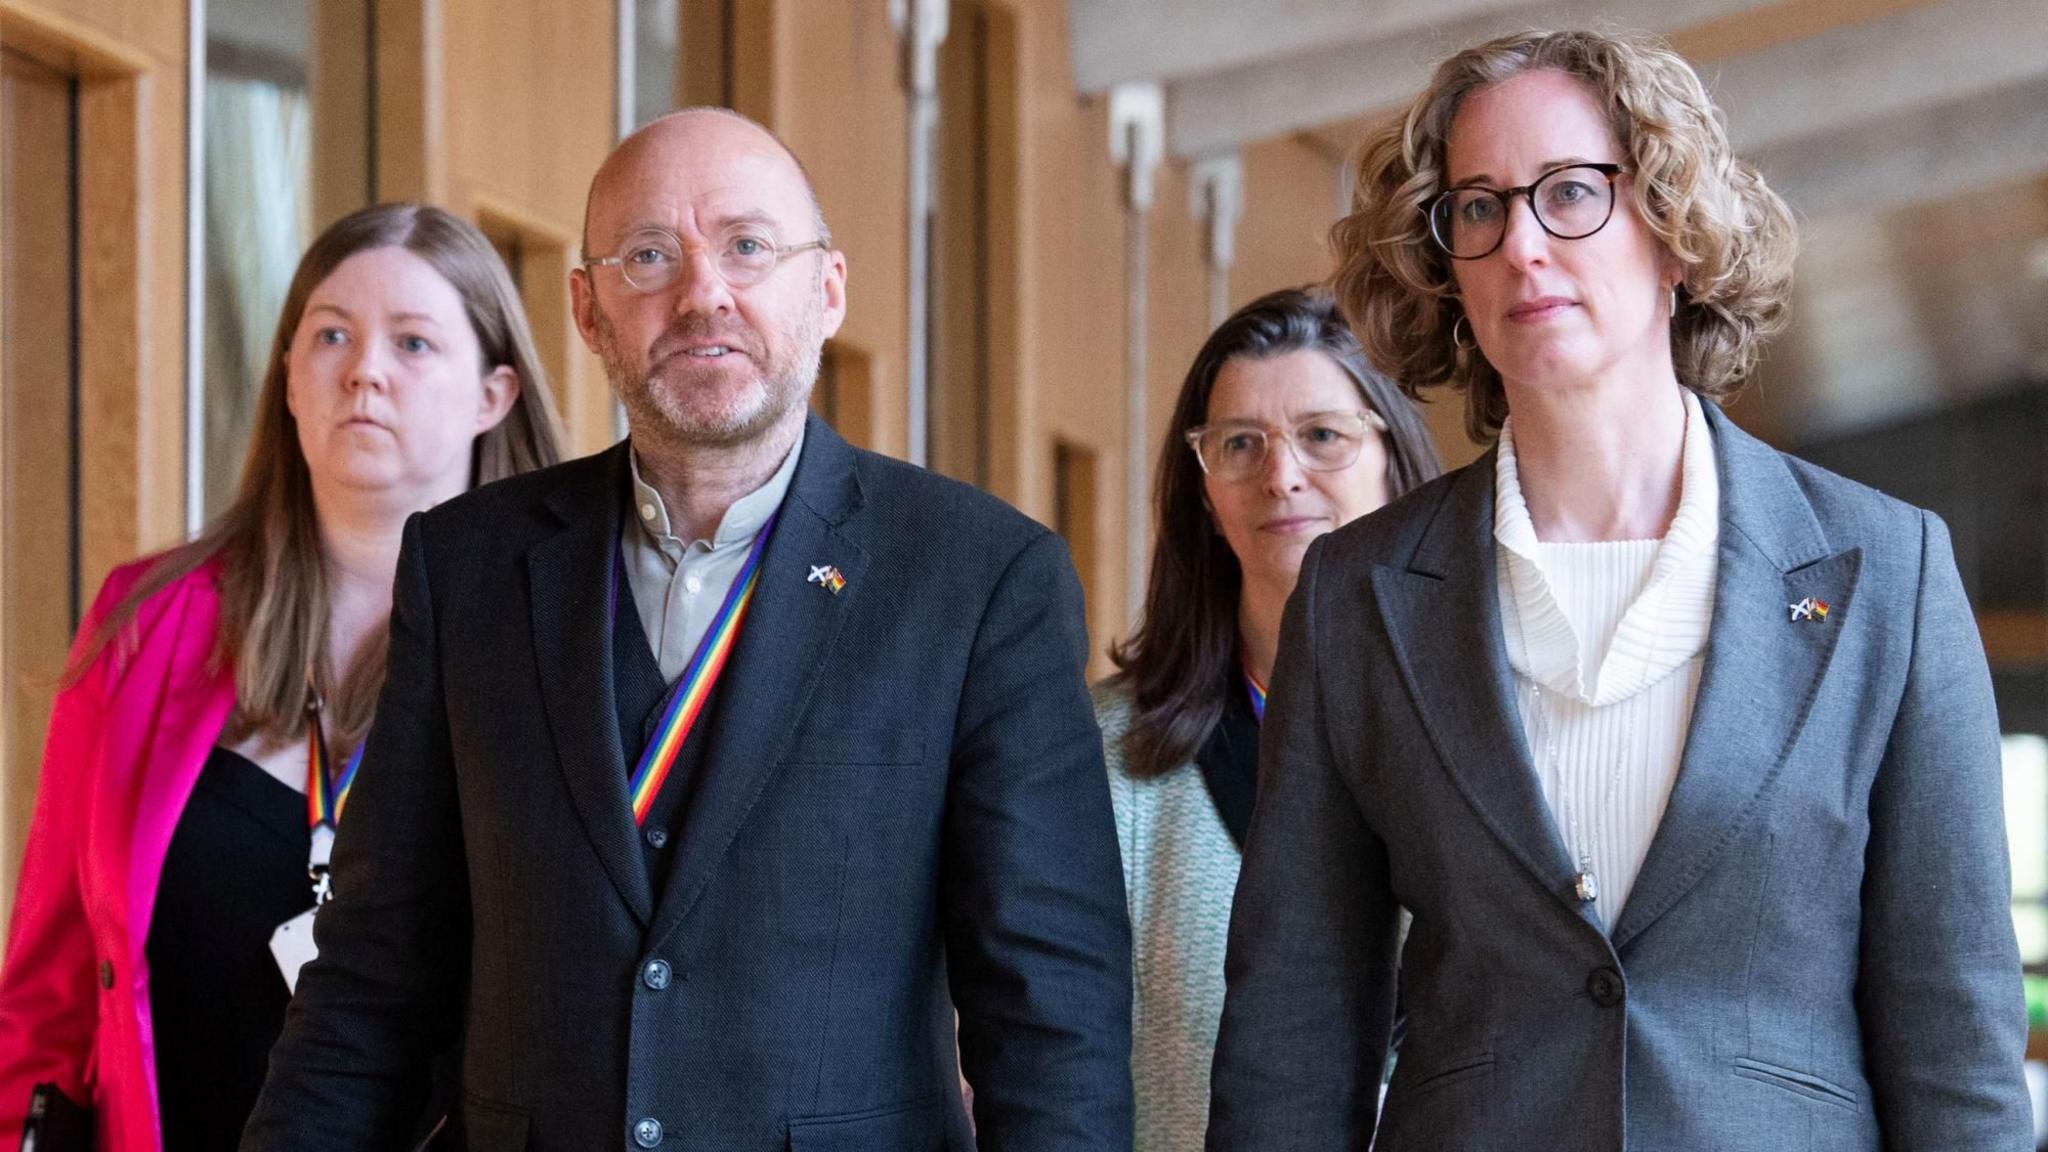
786	386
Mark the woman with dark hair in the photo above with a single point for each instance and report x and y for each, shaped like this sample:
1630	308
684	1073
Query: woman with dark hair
1281	433
1680	752
201	747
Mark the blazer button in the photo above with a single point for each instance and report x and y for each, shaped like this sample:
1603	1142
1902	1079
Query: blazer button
647	1133
106	973
1605	987
655	976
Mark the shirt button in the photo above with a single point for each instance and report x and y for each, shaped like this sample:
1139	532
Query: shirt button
647	511
693	583
106	973
1605	987
655	975
647	1133
657	838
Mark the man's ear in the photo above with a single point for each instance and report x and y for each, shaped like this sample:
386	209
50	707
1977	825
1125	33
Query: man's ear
834	287
583	305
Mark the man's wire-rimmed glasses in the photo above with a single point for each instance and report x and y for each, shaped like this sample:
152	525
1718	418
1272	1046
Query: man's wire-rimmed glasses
652	259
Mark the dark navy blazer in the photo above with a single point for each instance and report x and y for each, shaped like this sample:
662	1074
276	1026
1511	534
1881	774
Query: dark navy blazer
902	811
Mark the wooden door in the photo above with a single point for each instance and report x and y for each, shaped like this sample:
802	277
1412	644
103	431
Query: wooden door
39	524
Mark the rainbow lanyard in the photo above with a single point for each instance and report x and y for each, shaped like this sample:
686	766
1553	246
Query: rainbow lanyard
326	793
1257	692
686	700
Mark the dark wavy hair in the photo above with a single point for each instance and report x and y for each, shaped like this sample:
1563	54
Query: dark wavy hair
1178	664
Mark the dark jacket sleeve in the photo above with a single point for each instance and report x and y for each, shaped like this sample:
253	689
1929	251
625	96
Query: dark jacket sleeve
1038	945
383	997
1313	930
1944	1023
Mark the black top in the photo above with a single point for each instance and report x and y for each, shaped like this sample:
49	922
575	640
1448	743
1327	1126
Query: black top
236	869
1229	760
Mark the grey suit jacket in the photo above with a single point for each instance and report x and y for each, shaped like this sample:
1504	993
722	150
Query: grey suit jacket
1818	953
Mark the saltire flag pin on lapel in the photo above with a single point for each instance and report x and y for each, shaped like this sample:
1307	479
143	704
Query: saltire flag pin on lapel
1810	609
827	577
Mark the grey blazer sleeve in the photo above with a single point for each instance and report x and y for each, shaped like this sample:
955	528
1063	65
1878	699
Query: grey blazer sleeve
1939	990
1310	968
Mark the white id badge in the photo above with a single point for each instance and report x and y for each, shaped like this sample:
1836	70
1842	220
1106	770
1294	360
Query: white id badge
292	944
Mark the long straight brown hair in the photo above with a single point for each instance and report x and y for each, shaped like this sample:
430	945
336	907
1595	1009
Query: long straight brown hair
1181	660
273	585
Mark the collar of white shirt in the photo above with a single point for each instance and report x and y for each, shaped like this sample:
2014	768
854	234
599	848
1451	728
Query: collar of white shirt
742	519
1664	627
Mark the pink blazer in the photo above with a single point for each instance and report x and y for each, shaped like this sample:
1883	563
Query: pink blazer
125	748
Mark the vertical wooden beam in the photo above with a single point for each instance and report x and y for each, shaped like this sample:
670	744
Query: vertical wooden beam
338	69
753	62
704	50
1010	430
411	115
111	281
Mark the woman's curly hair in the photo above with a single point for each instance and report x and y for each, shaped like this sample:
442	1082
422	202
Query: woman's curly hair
1732	235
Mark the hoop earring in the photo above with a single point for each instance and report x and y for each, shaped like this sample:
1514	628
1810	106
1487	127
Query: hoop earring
1454	335
1674	301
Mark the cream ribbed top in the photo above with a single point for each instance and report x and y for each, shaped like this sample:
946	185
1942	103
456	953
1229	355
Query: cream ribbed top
1607	641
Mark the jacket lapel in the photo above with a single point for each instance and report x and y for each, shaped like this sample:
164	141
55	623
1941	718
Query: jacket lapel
780	655
1443	616
572	580
1762	671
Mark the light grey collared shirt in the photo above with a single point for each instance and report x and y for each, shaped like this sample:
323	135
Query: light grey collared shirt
677	585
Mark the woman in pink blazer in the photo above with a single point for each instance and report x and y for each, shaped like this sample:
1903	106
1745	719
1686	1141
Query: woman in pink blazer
201	744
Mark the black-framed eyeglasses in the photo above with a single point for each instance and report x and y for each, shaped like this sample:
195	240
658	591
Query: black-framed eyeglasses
1571	203
651	258
1234	450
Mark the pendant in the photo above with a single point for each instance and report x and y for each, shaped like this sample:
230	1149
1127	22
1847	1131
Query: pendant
1585	887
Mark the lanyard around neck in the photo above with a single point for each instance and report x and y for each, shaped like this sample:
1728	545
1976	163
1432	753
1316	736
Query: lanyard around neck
1256	691
326	789
686	700
326	795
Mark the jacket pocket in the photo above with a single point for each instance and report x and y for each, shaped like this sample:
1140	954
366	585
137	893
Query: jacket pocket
1445	1104
1453	1071
919	1126
489	1124
1796	1082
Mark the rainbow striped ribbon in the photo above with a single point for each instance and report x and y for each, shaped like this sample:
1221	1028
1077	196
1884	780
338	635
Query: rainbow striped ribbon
686	700
1257	692
326	793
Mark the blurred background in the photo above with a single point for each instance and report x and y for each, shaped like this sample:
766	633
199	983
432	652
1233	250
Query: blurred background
1045	204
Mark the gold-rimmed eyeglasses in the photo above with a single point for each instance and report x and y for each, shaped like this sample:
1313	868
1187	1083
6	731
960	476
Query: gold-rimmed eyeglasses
1234	450
651	259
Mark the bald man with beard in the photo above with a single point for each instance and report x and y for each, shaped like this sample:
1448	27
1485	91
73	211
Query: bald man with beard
714	773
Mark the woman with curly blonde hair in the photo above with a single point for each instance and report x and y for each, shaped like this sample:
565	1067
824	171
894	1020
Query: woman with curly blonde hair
1680	751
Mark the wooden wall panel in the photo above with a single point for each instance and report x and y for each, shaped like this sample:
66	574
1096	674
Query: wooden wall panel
36	572
1072	252
840	107
1177	321
527	93
411	114
129	59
